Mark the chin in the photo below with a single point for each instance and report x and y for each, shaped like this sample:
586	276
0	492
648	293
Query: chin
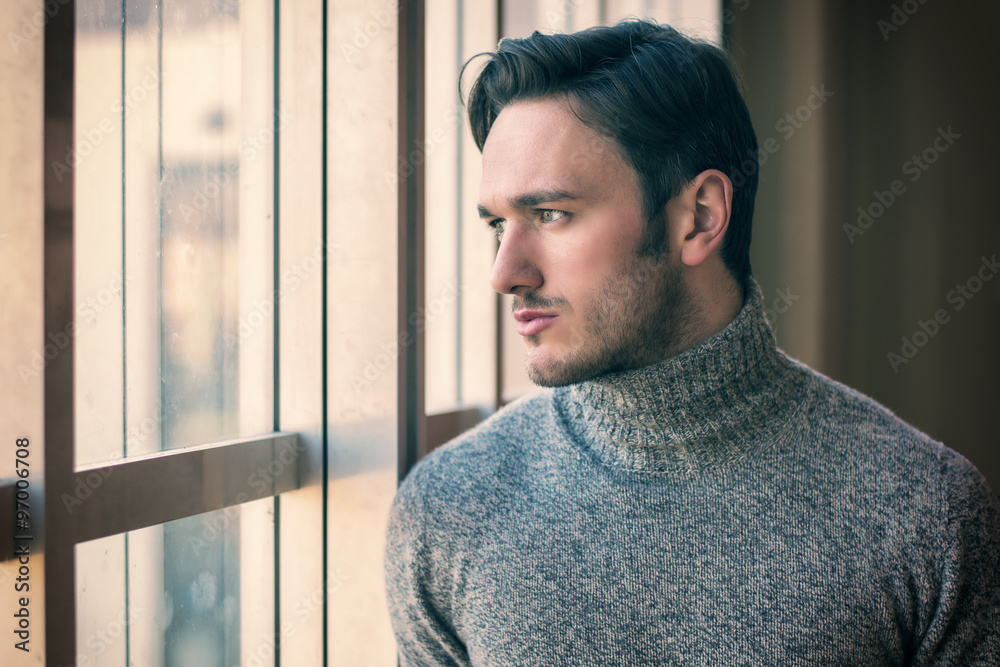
545	371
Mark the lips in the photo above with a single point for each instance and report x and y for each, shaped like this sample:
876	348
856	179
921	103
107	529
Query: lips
533	322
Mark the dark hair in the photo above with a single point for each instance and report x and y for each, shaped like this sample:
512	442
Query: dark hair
671	103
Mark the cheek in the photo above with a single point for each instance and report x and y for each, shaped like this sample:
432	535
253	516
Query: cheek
578	267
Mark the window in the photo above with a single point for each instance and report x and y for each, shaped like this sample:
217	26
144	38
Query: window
173	163
249	290
151	402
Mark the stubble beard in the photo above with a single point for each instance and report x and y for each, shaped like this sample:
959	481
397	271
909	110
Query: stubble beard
641	315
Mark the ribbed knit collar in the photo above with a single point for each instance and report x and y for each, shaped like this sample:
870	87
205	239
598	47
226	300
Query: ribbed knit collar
714	403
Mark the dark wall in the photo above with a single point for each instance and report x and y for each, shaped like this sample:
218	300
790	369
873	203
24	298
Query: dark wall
910	105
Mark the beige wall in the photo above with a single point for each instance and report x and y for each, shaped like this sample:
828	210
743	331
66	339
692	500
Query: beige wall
892	90
21	322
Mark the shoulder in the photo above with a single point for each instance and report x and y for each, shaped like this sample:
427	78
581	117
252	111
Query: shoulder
486	461
502	434
501	431
889	456
856	421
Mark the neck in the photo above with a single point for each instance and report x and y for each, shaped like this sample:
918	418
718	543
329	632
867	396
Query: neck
708	404
719	296
712	300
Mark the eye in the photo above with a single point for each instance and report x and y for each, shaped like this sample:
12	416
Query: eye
550	215
497	225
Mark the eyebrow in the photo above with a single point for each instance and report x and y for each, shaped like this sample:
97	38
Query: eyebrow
532	199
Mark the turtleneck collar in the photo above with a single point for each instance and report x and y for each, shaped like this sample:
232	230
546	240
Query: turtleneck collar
710	404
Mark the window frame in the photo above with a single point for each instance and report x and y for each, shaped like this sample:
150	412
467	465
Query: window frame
149	490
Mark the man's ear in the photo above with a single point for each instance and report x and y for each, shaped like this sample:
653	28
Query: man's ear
699	216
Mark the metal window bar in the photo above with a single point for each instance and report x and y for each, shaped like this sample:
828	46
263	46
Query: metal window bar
97	501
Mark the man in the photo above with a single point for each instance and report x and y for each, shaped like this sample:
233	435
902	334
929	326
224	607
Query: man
683	493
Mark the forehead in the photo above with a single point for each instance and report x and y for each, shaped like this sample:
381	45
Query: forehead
540	145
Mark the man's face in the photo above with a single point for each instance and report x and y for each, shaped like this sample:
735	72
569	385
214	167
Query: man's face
571	226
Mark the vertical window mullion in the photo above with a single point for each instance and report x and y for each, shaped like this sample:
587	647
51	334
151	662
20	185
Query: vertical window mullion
59	534
410	292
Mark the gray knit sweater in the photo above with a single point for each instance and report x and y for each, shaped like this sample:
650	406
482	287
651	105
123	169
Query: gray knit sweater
726	506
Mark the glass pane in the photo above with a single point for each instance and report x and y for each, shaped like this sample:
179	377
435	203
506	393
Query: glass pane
459	303
444	204
174	199
188	593
361	330
93	157
701	17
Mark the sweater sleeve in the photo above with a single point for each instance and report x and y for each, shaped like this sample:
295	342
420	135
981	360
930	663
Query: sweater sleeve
415	569
965	626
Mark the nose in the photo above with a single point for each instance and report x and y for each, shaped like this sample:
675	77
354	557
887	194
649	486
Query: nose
516	266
